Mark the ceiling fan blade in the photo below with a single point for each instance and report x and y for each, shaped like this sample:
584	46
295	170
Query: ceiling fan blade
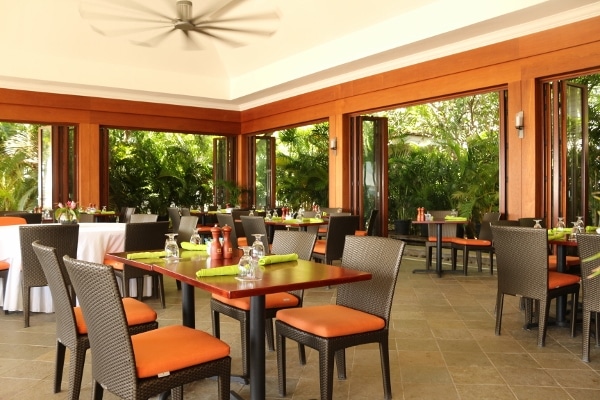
153	41
228	41
98	16
190	42
219	7
220	26
122	5
126	31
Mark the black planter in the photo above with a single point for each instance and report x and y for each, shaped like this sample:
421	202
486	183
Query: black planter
402	226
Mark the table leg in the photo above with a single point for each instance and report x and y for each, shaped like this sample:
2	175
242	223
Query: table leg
561	301
438	253
188	306
257	347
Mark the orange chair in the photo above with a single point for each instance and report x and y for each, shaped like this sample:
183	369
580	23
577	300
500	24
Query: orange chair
4	221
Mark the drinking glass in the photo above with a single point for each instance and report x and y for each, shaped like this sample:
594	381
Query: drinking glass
580	222
258	248
195	238
171	247
537	224
560	225
574	231
245	264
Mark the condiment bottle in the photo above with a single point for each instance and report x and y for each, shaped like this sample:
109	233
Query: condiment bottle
216	252
227	245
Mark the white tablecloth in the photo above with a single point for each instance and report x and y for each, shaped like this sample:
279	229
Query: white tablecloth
95	240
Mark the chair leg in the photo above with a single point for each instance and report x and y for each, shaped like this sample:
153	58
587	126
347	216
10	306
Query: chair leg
543	315
575	298
59	364
465	261
479	261
281	372
97	390
326	373
301	354
340	362
216	326
177	393
26	295
491	262
245	335
385	368
76	364
140	288
499	305
585	348
161	290
454	253
269	334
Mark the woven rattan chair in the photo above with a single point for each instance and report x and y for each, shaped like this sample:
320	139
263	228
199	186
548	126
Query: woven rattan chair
138	237
331	248
71	331
361	314
126	213
372	222
522	258
449	233
63	238
139	218
149	363
175	218
185	212
589	245
187	226
284	242
254	225
482	243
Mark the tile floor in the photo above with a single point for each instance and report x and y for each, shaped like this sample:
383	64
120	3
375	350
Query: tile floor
442	346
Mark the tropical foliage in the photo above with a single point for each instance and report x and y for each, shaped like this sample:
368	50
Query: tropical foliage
302	165
444	155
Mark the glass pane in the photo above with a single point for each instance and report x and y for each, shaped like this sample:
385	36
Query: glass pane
263	172
574	136
370	168
45	167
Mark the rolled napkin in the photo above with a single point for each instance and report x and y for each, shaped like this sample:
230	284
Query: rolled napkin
557	236
304	219
591	229
276	219
193	246
146	254
277	258
218	271
452	218
107	212
315	220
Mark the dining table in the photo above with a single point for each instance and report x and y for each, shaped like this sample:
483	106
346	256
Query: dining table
94	241
280	277
438	242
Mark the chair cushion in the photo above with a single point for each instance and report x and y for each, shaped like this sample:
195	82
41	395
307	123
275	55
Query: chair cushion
115	264
173	348
4	265
272	300
445	239
320	246
242	241
471	242
360	233
558	279
570	260
136	313
330	320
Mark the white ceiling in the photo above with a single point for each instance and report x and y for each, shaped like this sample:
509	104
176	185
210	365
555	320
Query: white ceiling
48	46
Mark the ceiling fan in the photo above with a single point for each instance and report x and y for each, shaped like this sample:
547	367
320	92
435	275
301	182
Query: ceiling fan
233	22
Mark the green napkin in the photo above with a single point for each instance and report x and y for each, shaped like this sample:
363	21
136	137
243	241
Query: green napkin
107	212
146	254
591	229
277	258
192	254
276	219
451	218
557	236
218	271
193	246
315	220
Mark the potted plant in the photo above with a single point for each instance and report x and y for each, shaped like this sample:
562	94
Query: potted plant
67	214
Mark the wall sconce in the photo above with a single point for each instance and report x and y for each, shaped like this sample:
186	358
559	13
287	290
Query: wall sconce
333	143
519	123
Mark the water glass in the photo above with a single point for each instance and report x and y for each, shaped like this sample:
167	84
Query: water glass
245	263
171	247
195	238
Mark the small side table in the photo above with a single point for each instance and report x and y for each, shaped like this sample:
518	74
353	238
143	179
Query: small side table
438	243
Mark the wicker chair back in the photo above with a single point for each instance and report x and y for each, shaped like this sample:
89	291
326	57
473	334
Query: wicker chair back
589	246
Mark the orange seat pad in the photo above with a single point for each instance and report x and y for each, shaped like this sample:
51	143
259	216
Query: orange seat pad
445	239
272	300
115	264
559	279
320	246
242	241
173	348
471	242
136	313
570	260
330	320
4	265
360	233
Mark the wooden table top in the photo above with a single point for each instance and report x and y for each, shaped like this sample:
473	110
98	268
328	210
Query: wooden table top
281	277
